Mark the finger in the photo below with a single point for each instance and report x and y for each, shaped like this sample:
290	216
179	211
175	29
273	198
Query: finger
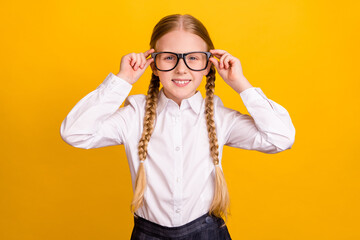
133	59
232	61
129	58
226	61
148	62
222	65
142	60
148	52
134	62
218	52
138	61
218	55
215	62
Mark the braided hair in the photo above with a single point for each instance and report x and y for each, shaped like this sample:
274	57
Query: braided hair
220	204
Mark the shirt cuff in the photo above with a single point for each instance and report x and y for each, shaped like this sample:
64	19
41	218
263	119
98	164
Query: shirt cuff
253	94
114	82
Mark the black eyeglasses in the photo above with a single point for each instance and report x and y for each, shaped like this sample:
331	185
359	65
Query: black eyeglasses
167	61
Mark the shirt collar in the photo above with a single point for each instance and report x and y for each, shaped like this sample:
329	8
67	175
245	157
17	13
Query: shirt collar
194	101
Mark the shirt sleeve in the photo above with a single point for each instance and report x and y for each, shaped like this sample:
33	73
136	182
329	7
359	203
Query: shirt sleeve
269	129
96	120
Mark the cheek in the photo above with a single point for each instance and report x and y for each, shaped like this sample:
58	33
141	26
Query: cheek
200	76
198	81
164	77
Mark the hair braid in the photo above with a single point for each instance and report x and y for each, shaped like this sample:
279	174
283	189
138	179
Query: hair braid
190	24
149	119
221	200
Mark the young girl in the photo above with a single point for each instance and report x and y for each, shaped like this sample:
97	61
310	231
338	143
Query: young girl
174	138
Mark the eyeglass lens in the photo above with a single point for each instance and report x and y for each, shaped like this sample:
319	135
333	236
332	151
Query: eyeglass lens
167	61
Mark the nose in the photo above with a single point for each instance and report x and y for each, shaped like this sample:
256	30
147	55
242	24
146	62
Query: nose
181	67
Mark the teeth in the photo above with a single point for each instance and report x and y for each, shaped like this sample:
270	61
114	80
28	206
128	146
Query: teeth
182	82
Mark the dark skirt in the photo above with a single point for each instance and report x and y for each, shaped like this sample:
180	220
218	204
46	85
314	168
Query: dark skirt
206	227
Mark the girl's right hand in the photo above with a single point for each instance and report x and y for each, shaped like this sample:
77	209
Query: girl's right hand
133	65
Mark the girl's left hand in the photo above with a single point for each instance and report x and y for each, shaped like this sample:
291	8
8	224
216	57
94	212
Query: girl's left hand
229	68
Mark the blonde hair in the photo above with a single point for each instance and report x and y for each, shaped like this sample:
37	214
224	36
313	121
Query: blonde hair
220	204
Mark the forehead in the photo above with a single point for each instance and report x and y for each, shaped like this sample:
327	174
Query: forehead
180	41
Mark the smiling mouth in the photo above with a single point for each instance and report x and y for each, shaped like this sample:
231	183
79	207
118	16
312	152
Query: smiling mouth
182	82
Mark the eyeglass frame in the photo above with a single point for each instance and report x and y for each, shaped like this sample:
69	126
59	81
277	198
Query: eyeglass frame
179	56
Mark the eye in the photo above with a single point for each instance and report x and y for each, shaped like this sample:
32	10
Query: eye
193	57
168	57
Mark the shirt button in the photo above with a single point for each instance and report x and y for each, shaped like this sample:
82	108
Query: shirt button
177	149
178	179
178	210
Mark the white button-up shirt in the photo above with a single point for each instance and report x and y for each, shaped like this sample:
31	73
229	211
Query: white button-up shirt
179	168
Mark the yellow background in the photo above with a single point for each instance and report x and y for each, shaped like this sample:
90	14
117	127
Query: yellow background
304	55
